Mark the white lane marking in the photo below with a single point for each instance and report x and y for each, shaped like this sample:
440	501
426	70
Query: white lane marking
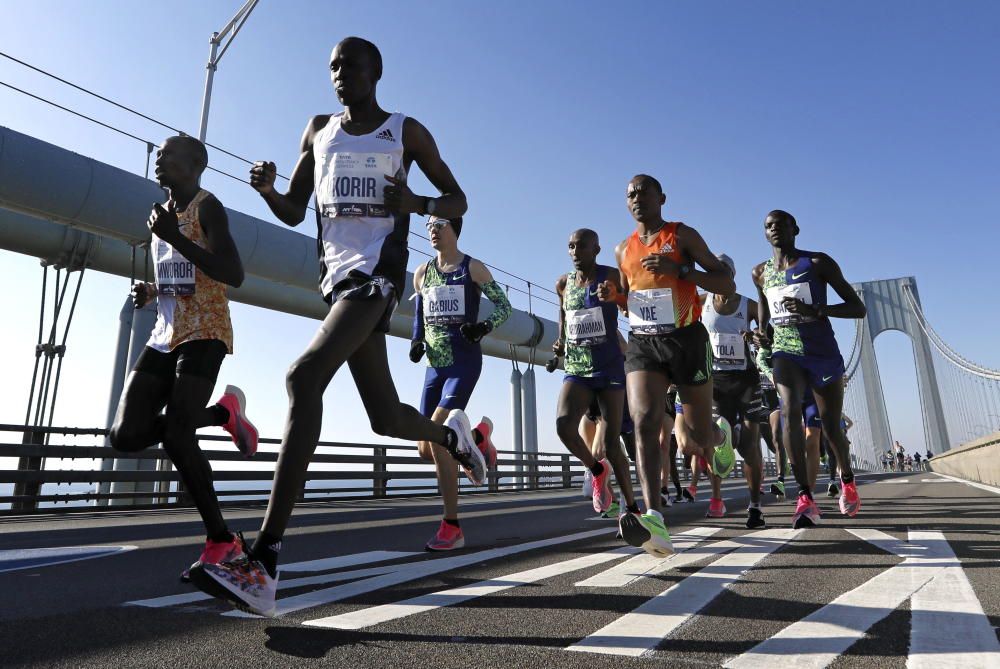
319	579
897	481
412	572
642	630
36	558
949	629
362	618
821	637
645	564
325	564
974	484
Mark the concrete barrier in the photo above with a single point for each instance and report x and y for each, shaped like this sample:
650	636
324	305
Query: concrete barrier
976	461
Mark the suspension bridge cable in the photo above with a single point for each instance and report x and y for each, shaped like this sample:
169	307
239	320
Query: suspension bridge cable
241	180
167	126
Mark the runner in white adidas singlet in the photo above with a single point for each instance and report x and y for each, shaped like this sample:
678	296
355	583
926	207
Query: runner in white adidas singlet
356	162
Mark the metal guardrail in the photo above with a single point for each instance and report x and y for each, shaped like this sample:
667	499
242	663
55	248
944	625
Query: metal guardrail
374	464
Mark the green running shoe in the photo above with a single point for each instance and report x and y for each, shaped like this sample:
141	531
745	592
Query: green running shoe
647	532
613	511
778	489
724	457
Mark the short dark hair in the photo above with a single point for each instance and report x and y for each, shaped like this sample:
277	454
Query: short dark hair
587	233
197	149
649	178
781	213
456	225
373	53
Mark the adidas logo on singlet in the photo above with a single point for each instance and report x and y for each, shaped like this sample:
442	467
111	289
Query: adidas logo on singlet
386	135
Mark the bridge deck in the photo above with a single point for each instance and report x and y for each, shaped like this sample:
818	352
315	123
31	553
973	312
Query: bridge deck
538	581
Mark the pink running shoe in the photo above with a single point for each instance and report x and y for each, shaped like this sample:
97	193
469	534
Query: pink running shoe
691	493
806	513
242	431
850	502
716	508
489	451
217	552
602	489
448	538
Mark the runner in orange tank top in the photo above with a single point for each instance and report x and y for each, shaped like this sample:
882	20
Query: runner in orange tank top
667	345
195	259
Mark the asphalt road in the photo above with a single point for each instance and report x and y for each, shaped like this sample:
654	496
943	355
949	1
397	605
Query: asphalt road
540	584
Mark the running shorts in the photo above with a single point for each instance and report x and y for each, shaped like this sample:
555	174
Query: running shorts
684	355
360	287
450	387
200	357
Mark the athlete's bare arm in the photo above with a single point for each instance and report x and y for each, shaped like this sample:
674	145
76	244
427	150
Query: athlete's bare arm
716	277
219	259
418	277
290	208
852	306
559	346
419	147
479	272
610	292
760	337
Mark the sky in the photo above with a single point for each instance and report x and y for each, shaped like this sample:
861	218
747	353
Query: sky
876	124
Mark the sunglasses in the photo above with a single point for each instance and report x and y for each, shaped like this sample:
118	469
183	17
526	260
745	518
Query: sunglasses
436	224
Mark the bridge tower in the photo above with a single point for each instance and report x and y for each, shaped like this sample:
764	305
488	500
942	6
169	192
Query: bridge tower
889	309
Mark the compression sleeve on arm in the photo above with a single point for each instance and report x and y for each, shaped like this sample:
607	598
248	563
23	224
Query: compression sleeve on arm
502	309
763	362
418	317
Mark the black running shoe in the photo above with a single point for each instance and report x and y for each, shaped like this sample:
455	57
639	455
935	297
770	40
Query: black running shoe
832	490
755	518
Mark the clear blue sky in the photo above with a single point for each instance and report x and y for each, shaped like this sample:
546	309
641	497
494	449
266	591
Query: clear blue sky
876	124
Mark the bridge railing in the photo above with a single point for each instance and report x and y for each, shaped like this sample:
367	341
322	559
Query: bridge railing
339	471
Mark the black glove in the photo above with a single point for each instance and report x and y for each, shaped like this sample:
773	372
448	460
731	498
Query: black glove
473	332
416	350
552	364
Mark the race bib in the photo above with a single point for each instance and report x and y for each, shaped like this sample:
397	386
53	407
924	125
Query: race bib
585	327
174	272
779	314
444	305
728	350
351	184
651	311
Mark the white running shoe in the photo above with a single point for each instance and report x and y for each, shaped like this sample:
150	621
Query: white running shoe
467	453
588	484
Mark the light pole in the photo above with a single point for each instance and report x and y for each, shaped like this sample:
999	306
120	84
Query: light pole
215	56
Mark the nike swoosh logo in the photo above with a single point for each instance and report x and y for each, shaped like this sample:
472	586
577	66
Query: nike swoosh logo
459	278
826	378
796	277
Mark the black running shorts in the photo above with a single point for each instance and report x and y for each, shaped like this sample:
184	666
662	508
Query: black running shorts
202	357
684	355
360	287
732	394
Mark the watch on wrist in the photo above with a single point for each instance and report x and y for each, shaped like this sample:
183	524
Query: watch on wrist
430	206
683	271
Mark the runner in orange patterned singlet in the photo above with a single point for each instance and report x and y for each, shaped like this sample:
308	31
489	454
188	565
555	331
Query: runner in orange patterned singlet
667	345
195	259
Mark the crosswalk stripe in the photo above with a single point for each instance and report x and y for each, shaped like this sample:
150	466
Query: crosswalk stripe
412	572
821	637
324	564
949	629
640	631
360	619
319	579
644	564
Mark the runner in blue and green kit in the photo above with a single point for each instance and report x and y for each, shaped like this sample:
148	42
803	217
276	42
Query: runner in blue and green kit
595	368
792	288
447	328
